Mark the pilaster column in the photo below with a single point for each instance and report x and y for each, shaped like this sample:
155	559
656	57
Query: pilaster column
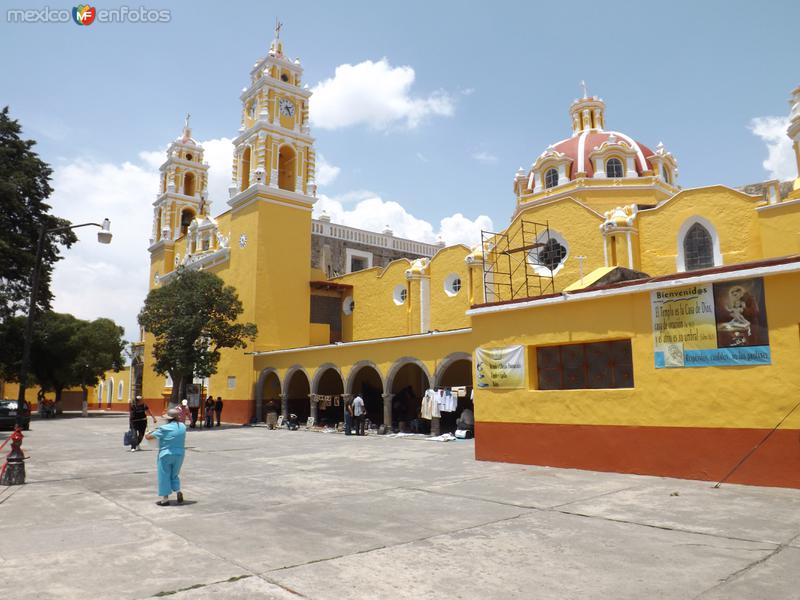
284	405
435	429
259	407
387	412
314	404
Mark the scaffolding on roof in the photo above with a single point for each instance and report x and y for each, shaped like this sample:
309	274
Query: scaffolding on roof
519	262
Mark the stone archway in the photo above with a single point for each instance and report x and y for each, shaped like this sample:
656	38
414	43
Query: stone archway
268	392
328	381
455	371
296	392
406	383
365	380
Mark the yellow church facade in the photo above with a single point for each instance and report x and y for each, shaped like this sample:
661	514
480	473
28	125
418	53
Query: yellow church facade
619	323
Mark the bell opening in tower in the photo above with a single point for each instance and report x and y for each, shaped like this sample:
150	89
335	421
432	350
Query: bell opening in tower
287	161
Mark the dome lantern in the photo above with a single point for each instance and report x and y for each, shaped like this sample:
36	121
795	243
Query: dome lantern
587	113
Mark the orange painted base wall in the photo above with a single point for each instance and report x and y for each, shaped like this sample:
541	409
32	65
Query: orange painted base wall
233	411
682	452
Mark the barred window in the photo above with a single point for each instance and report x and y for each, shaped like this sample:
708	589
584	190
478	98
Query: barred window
698	248
550	178
599	365
614	168
551	255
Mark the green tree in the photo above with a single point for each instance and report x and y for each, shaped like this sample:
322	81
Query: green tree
53	351
192	318
69	352
24	187
100	346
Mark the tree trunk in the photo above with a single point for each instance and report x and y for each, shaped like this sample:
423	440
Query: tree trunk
84	401
175	396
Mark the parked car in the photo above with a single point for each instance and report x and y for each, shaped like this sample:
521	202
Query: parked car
10	411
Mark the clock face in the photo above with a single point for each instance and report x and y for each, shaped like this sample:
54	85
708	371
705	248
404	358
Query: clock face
242	240
287	108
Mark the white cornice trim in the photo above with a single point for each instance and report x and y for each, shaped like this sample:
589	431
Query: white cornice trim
262	193
159	244
589	184
175	196
184	163
205	261
276	84
400	338
778	205
262	125
642	287
683	191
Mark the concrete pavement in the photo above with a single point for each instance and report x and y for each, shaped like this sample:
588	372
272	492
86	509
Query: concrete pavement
288	515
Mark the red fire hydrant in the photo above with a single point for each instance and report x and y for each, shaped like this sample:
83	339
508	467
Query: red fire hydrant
13	471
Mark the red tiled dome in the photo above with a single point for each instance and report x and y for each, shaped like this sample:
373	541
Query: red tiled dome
581	145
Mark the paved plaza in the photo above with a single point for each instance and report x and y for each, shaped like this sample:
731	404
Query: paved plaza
288	515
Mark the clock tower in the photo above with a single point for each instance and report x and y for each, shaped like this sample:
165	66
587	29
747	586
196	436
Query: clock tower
274	146
272	193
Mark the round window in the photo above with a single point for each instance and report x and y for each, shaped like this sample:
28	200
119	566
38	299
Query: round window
400	294
348	306
549	255
284	77
452	284
188	157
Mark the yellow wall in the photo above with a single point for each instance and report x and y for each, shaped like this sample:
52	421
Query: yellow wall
780	229
730	212
448	312
376	314
730	396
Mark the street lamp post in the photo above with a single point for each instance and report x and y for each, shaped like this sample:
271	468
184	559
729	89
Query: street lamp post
104	237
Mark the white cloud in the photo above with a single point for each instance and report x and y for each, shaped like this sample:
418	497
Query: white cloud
326	173
374	214
111	281
374	94
484	157
219	156
422	157
780	161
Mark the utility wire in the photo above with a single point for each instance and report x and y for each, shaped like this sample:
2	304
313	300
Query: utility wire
756	447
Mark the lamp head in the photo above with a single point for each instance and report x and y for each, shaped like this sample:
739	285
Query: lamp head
104	235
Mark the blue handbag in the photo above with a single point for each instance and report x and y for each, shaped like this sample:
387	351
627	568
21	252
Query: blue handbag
127	439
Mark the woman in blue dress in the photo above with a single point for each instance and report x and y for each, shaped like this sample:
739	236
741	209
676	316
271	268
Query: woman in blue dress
171	448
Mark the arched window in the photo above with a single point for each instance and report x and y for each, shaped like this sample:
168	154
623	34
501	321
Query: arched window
665	174
614	168
121	390
188	184
110	392
698	248
550	178
287	166
246	168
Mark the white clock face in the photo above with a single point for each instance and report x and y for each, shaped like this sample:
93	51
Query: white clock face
287	107
243	240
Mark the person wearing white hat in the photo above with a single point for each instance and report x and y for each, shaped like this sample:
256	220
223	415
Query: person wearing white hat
171	449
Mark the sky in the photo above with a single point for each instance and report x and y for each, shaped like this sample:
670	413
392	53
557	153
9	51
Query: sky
422	111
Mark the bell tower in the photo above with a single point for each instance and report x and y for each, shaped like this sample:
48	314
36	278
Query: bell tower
272	193
274	146
182	197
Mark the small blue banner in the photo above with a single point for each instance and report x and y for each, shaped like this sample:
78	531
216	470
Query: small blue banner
721	357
